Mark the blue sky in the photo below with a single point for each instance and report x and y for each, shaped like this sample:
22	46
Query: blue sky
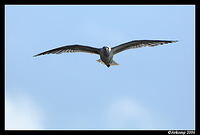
152	88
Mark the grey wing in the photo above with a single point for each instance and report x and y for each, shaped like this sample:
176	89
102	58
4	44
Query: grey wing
138	44
72	49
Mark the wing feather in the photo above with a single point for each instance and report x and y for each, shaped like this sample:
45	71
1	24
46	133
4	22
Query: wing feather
71	49
139	44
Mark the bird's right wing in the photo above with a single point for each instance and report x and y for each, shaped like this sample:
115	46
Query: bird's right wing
71	49
138	44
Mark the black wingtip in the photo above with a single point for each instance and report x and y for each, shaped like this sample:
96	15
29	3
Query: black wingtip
36	55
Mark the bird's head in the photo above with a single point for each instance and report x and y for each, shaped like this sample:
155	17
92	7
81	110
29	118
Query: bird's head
107	48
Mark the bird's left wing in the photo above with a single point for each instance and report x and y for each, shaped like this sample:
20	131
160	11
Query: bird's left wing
72	49
138	44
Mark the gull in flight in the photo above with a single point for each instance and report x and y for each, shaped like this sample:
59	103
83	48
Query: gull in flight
106	53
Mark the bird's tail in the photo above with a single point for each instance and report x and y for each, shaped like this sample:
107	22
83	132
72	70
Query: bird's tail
112	64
